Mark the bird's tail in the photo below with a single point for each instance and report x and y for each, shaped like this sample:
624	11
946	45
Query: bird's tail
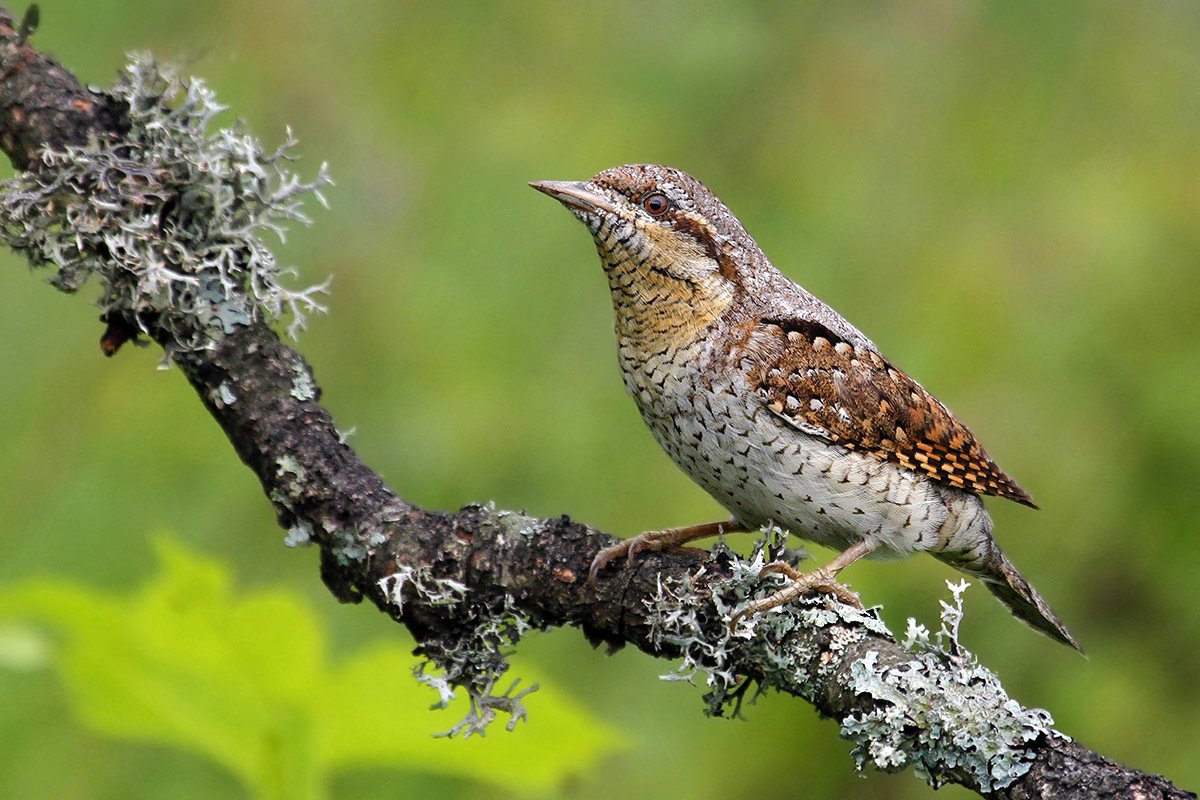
1011	589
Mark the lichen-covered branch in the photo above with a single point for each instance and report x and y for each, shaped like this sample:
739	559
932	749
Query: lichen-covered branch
131	190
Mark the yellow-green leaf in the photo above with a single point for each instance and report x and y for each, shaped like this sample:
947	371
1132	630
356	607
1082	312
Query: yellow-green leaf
245	680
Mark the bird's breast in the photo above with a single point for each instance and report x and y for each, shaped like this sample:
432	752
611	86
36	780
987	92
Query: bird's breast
765	472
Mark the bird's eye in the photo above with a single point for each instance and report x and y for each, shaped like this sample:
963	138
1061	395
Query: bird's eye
656	204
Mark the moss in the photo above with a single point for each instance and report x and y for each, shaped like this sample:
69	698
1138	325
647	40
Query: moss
172	220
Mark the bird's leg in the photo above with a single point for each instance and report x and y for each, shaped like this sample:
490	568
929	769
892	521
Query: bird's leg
823	579
656	541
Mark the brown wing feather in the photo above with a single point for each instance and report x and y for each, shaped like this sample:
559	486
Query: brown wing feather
851	395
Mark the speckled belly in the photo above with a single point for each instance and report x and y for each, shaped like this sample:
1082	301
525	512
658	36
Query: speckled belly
765	471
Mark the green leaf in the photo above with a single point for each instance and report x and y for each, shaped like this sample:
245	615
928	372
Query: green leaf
245	680
559	739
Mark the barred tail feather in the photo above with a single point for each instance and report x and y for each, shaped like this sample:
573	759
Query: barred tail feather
1011	589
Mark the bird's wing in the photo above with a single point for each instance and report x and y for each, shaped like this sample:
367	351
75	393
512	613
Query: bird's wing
851	395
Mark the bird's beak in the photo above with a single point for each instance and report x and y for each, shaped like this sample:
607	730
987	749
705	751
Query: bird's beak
576	194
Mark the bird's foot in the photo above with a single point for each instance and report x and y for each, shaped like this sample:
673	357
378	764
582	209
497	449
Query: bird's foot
670	539
823	580
648	542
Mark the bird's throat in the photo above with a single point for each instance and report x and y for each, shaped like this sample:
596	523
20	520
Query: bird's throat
657	307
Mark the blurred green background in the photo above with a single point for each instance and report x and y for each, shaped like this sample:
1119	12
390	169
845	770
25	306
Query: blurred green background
1004	196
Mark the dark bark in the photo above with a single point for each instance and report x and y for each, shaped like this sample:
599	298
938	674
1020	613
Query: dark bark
42	103
509	563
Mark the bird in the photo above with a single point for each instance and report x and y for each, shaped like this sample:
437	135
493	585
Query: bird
777	406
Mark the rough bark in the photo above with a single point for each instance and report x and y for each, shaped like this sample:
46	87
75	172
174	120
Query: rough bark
508	563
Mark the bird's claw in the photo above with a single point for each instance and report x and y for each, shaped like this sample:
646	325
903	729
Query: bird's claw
818	580
648	542
607	556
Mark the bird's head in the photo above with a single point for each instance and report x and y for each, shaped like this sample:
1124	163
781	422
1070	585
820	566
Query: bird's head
666	242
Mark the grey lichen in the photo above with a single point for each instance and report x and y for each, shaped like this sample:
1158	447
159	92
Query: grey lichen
473	656
428	589
225	396
678	612
513	523
288	465
942	712
939	712
351	545
171	218
303	386
299	535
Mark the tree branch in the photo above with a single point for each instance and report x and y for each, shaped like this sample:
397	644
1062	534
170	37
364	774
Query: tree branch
466	583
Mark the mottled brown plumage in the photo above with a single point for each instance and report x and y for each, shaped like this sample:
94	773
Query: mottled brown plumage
776	405
851	395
